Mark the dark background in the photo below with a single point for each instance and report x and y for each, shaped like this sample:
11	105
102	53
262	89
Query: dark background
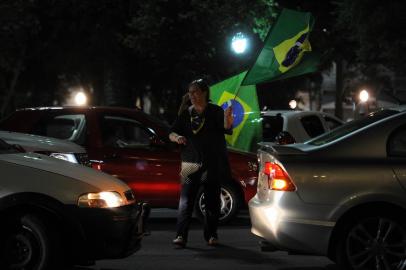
123	50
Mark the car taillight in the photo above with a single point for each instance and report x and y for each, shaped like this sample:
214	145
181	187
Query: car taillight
96	166
278	179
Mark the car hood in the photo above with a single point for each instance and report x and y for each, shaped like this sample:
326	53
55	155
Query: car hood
35	143
90	176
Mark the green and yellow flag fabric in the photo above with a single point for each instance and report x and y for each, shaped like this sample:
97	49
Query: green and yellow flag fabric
286	45
247	127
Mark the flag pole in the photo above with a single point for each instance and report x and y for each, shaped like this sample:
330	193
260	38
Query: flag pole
238	90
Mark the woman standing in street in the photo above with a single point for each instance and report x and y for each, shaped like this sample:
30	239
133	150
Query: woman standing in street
200	130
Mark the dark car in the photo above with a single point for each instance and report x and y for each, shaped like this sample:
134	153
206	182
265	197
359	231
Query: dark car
134	147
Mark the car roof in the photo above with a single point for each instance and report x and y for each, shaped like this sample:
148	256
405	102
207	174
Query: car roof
400	108
292	113
80	109
289	112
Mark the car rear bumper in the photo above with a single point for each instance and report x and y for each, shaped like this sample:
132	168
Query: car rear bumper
113	233
283	224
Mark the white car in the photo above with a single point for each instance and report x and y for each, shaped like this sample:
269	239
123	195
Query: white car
302	125
54	212
53	147
342	194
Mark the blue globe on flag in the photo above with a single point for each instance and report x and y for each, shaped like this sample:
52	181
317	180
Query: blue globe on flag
238	111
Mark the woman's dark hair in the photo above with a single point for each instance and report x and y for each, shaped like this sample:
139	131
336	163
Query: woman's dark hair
203	86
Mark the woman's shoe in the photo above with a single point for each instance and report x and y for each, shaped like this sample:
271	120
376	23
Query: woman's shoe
179	241
213	241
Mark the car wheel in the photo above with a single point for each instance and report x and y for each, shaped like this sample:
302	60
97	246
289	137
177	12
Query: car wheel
230	204
373	242
27	244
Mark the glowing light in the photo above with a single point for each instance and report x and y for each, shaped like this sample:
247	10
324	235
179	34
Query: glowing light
107	199
112	199
363	95
293	104
279	184
239	43
80	99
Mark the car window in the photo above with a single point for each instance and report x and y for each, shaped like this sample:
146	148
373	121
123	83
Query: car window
122	132
70	127
331	122
351	127
271	126
397	143
313	125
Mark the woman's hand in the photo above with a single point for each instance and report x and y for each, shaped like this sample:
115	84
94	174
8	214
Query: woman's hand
177	138
228	118
181	140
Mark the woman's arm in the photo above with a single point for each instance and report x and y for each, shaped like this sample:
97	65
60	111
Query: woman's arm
228	118
225	120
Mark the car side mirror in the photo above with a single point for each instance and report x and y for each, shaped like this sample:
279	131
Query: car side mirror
284	137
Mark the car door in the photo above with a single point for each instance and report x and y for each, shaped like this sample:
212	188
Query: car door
396	149
127	152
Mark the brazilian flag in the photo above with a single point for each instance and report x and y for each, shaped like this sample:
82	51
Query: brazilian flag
286	49
247	127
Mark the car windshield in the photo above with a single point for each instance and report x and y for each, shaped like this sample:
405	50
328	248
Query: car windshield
350	127
6	148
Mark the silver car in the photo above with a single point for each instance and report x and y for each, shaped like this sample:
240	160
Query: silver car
55	212
341	194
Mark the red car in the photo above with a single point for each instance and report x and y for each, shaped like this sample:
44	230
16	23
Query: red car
134	147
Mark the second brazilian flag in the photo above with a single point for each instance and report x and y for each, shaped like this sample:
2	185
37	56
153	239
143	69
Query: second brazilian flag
285	45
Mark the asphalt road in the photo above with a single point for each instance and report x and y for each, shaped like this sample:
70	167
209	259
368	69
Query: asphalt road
238	250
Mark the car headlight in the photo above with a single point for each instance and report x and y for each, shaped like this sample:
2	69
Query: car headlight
64	156
106	199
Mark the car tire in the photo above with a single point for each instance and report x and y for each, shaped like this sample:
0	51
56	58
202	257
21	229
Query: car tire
372	241
28	242
230	204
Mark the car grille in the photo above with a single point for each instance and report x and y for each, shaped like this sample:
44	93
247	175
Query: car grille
83	159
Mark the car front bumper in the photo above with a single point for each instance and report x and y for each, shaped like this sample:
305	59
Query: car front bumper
288	224
112	233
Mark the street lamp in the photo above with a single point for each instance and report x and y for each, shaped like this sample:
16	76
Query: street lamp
80	99
293	104
239	43
363	96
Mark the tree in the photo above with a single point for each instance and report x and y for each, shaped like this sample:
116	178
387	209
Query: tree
47	44
19	29
177	41
121	46
375	28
